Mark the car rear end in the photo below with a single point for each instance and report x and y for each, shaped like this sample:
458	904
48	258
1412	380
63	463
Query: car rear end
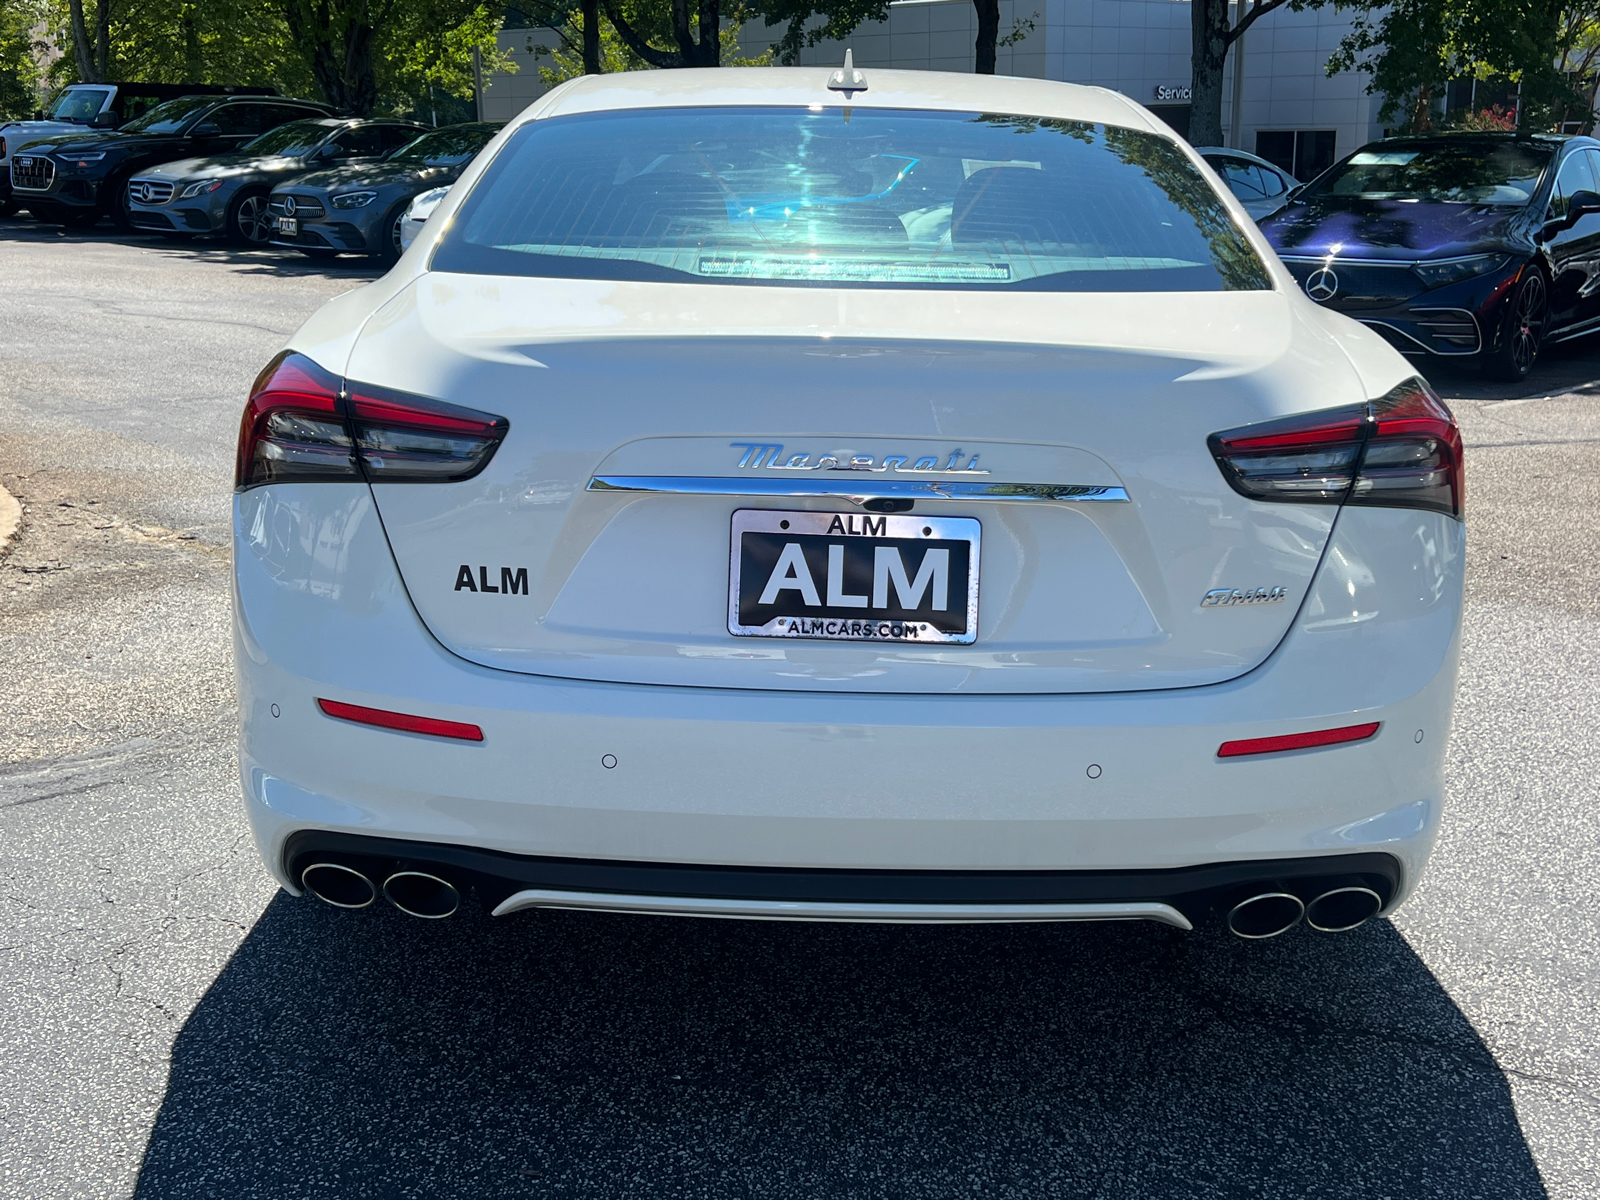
893	511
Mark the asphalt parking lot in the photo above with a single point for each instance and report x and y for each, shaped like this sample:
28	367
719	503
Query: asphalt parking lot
171	1025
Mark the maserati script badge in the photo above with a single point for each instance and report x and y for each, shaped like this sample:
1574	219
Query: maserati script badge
1227	597
759	455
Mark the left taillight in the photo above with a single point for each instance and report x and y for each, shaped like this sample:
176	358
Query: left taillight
301	426
1402	450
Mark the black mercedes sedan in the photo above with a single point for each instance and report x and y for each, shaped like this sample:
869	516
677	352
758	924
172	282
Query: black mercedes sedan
227	193
76	179
1480	247
359	207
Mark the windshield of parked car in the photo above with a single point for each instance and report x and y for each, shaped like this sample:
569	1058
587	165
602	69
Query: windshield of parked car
169	117
297	138
840	197
443	147
80	105
1447	171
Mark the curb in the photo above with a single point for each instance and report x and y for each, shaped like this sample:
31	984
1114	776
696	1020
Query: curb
10	518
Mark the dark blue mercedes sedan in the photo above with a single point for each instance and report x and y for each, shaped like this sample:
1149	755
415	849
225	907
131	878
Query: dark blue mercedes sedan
1476	246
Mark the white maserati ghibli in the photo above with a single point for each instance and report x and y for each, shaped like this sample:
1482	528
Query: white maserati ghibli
854	495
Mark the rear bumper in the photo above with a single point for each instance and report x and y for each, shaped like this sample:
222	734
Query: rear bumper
508	883
702	779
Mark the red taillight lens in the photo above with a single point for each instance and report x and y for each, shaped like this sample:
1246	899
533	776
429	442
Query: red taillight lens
300	426
404	722
1297	741
403	438
293	429
1400	451
1413	457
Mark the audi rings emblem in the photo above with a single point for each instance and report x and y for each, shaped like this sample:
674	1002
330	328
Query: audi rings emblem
1322	285
289	207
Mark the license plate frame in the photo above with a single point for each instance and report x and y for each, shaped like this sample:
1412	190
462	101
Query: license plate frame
786	616
288	226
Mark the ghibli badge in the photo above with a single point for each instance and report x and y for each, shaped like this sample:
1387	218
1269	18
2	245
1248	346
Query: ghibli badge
1228	597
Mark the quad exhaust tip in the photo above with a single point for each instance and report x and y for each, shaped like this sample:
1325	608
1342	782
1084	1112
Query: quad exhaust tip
338	885
1342	909
1265	915
419	894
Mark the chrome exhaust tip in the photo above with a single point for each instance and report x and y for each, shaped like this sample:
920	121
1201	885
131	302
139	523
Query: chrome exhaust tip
418	894
338	885
1342	909
1265	915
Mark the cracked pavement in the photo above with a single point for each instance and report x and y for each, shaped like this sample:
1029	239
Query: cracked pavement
173	1026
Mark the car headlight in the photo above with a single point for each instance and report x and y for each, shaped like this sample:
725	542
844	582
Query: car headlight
82	160
1454	270
200	189
354	199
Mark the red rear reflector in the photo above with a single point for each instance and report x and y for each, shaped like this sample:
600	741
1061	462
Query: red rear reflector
1298	741
404	721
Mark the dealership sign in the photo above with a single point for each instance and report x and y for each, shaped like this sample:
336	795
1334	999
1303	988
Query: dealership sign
1179	94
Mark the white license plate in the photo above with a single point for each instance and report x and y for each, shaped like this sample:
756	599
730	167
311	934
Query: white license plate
856	576
289	226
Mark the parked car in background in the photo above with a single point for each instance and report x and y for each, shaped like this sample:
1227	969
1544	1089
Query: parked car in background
361	207
227	193
80	107
79	178
1479	247
1262	187
418	212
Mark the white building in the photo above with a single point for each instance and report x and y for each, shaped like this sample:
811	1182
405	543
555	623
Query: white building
1290	111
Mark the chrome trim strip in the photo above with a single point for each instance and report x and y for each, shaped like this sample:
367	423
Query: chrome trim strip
1332	260
858	489
1420	344
825	910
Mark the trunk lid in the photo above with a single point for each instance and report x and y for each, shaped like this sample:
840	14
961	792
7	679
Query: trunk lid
544	563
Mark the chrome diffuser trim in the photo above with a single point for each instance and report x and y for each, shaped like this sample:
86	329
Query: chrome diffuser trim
859	490
825	910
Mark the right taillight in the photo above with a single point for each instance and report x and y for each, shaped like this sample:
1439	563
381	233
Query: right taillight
301	426
1402	450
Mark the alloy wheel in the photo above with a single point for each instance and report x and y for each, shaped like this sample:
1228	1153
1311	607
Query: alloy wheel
396	247
251	219
1527	323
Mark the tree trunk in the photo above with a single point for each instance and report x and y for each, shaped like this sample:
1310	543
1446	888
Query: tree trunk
102	39
193	65
591	37
707	52
82	48
1209	29
988	35
340	56
1422	115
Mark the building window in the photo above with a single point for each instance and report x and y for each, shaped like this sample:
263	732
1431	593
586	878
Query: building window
1304	153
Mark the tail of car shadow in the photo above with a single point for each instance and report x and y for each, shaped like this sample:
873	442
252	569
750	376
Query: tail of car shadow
567	1054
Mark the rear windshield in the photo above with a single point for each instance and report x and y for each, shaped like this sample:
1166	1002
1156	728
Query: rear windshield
842	197
1450	172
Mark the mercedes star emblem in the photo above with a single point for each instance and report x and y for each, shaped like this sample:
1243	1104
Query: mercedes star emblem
289	206
1322	284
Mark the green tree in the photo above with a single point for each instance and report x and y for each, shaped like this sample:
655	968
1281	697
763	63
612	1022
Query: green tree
19	67
1414	48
